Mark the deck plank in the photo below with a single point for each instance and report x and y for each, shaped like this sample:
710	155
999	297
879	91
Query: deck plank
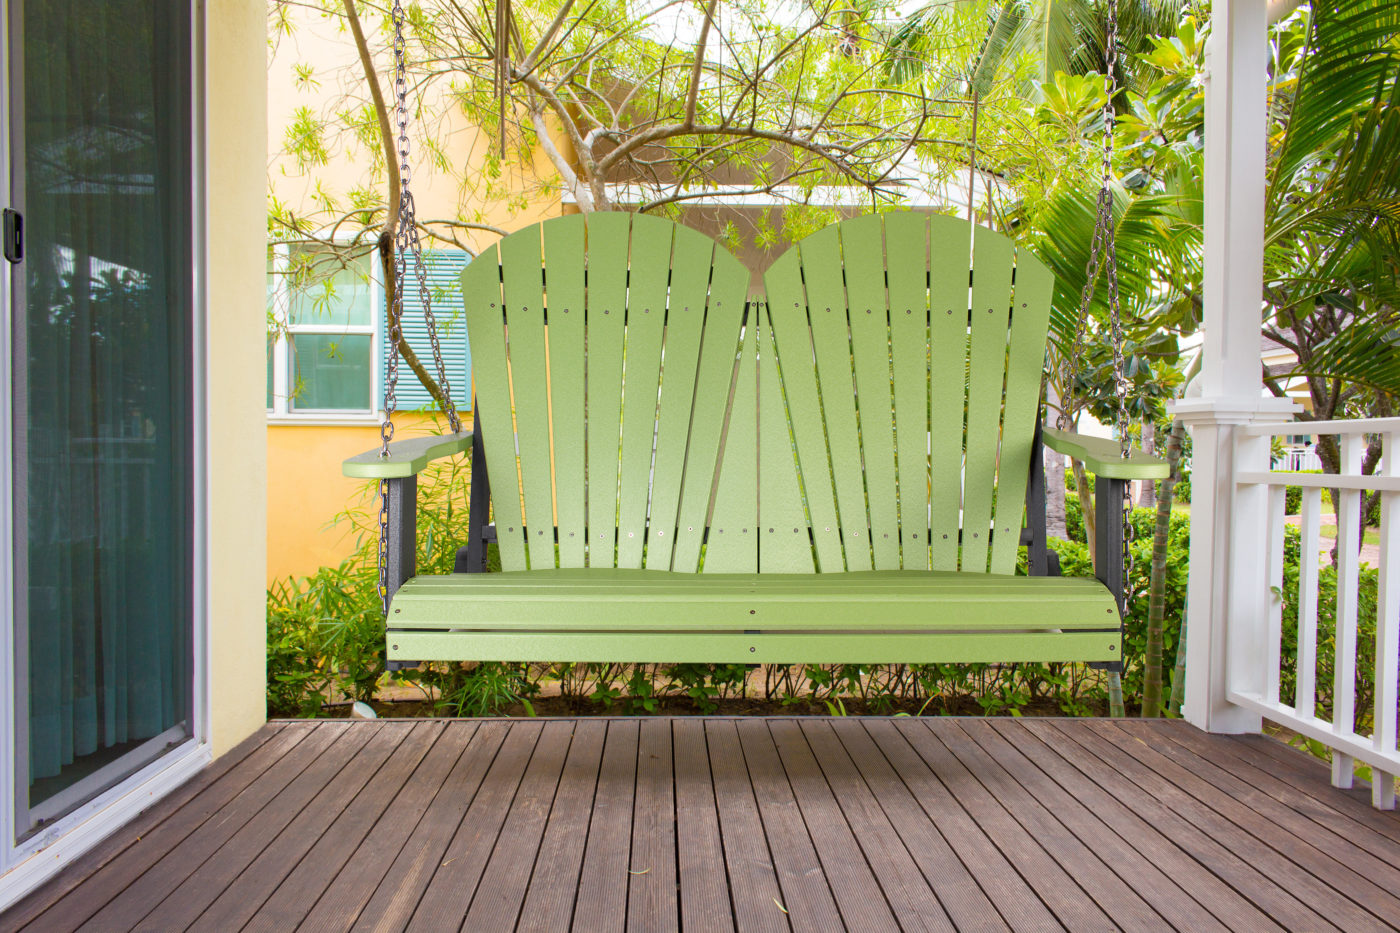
1018	905
651	876
1086	866
279	836
202	786
752	877
1278	830
1368	828
325	850
298	776
966	904
913	901
1302	902
853	884
507	875
1227	851
1300	769
764	825
355	883
393	901
549	899
706	904
1120	854
1057	890
1354	847
1141	823
602	890
806	896
456	877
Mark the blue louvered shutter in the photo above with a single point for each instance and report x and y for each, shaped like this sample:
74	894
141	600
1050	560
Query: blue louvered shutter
443	268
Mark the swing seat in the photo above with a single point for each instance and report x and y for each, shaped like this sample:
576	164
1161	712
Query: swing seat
675	472
654	616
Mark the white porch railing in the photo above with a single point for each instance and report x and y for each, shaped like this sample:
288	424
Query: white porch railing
1257	620
1298	458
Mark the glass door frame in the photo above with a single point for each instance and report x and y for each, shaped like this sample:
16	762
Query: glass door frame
75	831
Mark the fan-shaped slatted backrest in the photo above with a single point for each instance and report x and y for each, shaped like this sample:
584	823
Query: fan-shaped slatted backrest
878	412
605	351
911	385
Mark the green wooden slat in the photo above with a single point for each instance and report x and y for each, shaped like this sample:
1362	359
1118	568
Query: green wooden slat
906	251
787	310
896	584
607	304
407	457
1100	456
649	267
1030	321
826	308
733	541
784	544
521	266
481	295
680	647
719	349
862	243
991	309
949	262
691	256
564	260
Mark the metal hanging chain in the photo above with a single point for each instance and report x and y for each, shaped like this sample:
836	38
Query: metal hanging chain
1103	255
405	242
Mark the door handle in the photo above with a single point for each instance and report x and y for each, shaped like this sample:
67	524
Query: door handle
14	235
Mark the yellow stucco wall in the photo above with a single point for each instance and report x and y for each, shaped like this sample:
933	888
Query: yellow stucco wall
236	151
306	490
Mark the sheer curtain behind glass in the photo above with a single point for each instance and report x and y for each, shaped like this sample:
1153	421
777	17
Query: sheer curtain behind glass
105	357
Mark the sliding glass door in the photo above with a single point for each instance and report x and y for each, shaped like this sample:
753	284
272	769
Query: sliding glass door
99	108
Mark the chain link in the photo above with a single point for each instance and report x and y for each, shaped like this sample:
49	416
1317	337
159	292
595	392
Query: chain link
406	242
1103	255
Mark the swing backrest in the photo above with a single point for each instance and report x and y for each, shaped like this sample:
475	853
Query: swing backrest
638	412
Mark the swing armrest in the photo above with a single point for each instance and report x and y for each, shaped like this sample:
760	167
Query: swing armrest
1100	456
406	458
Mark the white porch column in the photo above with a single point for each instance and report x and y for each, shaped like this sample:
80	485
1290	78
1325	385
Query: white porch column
1231	385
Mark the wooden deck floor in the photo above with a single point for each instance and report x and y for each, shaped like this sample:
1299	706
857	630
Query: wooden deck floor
750	824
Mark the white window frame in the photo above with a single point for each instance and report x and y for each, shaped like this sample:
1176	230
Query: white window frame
284	410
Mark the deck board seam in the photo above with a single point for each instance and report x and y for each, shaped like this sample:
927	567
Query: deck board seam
1259	882
865	858
87	865
875	798
387	759
320	727
1035	812
953	847
1182	853
1240	810
391	857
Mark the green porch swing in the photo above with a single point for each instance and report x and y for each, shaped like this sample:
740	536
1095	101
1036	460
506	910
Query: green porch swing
673	471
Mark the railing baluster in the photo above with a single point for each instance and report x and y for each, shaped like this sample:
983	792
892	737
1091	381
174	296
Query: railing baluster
1277	500
1387	628
1348	557
1309	543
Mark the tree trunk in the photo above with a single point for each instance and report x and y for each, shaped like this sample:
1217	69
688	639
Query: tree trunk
1157	579
1147	492
1055	495
1086	505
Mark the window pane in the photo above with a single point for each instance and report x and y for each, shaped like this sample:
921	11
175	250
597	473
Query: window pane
271	349
327	289
331	371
